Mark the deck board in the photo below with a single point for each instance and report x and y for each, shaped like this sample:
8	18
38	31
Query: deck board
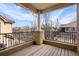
56	52
62	52
44	50
65	54
40	51
59	52
34	51
48	52
52	52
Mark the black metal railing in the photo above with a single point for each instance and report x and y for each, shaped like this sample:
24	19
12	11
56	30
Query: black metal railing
12	39
67	37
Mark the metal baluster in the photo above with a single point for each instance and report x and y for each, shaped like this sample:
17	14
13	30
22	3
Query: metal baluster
13	39
61	36
27	36
75	39
2	38
54	35
68	37
68	33
64	37
23	37
19	37
7	41
72	37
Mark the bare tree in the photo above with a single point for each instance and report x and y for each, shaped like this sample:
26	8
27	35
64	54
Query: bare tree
48	21
57	24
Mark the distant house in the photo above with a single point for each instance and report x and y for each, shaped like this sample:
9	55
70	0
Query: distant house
22	29
70	27
5	25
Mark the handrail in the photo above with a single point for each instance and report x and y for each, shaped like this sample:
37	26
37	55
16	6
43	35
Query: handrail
12	39
66	37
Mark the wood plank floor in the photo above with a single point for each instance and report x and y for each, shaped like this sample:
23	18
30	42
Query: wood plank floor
44	50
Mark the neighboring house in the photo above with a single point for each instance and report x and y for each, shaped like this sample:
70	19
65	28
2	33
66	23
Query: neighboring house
70	27
5	25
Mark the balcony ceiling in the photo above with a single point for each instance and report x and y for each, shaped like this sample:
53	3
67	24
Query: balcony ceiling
44	7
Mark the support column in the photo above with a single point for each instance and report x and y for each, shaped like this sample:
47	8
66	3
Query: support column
38	21
39	37
78	28
38	34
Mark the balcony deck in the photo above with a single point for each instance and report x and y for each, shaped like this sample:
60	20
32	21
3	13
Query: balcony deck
44	50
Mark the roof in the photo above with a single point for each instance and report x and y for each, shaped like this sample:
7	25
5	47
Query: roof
6	20
71	24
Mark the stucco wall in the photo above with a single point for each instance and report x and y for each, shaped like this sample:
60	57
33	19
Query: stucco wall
5	27
2	27
8	28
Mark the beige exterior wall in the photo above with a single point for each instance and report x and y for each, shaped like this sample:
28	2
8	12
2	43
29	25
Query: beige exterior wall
8	28
5	27
1	26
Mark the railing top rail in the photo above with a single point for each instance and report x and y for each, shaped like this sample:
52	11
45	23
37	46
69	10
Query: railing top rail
60	32
15	33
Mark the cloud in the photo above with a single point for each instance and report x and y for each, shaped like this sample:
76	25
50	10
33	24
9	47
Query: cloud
68	18
21	16
16	12
18	16
56	14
